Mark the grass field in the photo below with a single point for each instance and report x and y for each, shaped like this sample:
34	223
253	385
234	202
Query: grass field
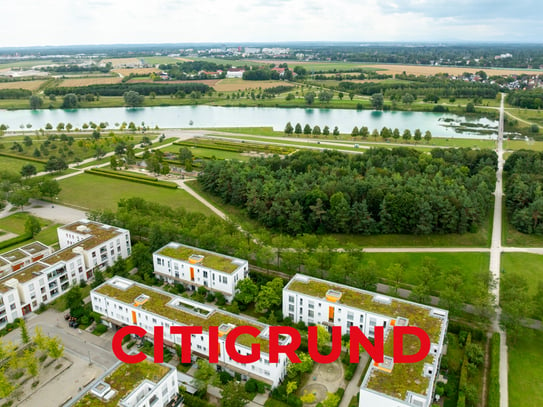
529	115
209	153
160	60
526	370
518	145
95	192
16	224
26	63
15	164
234	84
29	85
527	264
99	80
121	61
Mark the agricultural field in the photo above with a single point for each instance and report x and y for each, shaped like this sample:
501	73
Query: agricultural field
99	80
135	71
209	82
77	191
25	63
121	61
393	69
161	60
28	85
235	84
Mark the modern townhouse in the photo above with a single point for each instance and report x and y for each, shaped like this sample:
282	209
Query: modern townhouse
93	246
144	384
316	301
16	259
124	302
194	267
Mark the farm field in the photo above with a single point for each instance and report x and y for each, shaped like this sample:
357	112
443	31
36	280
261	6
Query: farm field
100	80
392	69
121	61
29	85
209	82
135	71
76	191
234	84
25	64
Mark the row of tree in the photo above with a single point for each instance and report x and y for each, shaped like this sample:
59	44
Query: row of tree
526	99
380	191
119	89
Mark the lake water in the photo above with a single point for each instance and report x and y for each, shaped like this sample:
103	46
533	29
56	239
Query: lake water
440	124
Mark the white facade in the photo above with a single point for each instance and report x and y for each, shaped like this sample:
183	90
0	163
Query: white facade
316	301
188	265
235	73
44	279
10	305
125	302
23	256
146	393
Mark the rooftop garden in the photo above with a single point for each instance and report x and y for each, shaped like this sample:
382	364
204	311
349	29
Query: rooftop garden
124	380
60	255
417	315
157	304
210	260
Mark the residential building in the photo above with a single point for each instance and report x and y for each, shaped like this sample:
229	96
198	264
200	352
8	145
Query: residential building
316	301
21	257
123	302
144	384
85	247
235	73
194	267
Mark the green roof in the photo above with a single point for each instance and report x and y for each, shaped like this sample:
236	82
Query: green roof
418	315
157	304
124	380
211	260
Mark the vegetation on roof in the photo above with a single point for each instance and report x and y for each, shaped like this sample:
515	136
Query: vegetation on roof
124	380
157	304
213	261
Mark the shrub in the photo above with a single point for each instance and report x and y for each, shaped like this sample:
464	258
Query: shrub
225	377
99	329
494	379
251	386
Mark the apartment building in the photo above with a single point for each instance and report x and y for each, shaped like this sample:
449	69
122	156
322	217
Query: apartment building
316	301
86	246
194	267
124	302
21	257
144	384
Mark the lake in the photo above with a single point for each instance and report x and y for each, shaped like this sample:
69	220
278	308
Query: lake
440	124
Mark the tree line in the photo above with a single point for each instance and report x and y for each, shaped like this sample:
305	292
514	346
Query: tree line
380	191
524	183
120	89
526	99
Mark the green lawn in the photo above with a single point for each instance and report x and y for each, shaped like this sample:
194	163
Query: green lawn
15	164
519	144
97	192
526	370
527	264
209	153
16	224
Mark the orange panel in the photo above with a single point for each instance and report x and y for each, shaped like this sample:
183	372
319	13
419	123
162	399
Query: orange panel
37	257
134	319
330	313
192	273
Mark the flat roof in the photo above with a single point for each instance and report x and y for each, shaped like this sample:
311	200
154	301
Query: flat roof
98	230
206	258
125	379
34	247
403	377
27	273
162	304
61	255
14	255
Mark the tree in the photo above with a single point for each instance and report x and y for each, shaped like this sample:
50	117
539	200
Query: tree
74	301
408	98
35	102
418	135
133	98
470	107
6	388
515	302
32	225
50	187
205	375
316	130
25	338
325	96
396	134
298	128
336	131
354	131
30	362
289	129
28	170
427	136
269	296
247	291
40	339
55	348
307	129
234	395
70	101
406	135
323	337
309	98
377	101
331	400
364	132
55	164
326	131
291	387
19	198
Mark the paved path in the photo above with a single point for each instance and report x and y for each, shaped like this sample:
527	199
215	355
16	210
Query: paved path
58	213
192	192
7	236
352	388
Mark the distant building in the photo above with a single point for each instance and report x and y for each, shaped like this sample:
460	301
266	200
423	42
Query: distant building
235	73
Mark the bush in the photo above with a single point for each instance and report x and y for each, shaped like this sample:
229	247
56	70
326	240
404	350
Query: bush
99	329
494	378
251	386
225	377
221	300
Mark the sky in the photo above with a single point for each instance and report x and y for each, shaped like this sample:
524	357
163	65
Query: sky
70	22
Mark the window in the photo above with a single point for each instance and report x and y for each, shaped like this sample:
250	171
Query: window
350	316
31	286
291	307
311	314
290	298
205	274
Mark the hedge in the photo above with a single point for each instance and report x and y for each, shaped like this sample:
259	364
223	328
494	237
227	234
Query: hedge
19	239
463	377
18	157
125	174
163	184
194	401
493	399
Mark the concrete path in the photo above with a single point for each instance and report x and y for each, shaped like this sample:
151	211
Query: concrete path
352	388
7	236
58	213
192	192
